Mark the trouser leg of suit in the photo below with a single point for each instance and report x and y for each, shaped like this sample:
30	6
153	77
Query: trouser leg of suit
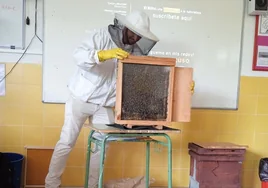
99	118
76	113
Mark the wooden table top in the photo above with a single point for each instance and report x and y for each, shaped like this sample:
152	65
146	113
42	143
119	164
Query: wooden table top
107	129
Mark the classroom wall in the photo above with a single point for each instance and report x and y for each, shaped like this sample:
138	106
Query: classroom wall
25	120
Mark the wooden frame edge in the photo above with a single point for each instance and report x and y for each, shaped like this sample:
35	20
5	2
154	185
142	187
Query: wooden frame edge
150	60
170	94
142	122
119	82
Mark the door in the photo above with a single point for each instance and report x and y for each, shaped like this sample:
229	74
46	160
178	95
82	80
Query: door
182	95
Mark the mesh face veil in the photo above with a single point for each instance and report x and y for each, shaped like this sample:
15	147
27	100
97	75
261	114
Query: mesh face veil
139	23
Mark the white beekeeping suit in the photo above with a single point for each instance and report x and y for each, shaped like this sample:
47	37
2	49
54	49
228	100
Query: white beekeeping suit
93	85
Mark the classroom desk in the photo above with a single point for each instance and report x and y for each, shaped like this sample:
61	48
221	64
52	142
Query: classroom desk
127	135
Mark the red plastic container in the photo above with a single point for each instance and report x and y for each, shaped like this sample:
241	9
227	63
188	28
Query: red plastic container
264	184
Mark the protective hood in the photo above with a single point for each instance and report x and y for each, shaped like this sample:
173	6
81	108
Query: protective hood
139	23
141	28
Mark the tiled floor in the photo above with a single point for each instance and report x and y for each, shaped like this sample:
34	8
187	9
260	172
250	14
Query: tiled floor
151	187
82	187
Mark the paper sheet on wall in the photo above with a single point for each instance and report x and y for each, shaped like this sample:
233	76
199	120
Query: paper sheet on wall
262	59
3	82
263	25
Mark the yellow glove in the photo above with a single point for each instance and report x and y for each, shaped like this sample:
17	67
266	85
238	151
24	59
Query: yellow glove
192	87
118	53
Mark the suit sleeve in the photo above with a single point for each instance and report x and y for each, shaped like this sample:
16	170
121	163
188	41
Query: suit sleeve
86	54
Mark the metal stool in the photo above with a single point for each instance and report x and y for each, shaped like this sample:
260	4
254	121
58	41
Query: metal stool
141	135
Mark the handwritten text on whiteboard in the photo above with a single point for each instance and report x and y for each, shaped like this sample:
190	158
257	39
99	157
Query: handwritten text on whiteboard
8	7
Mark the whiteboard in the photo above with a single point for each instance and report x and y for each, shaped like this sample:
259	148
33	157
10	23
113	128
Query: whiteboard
203	34
12	24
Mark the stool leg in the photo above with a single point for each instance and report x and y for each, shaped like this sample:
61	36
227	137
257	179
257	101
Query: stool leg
103	145
88	159
169	161
147	163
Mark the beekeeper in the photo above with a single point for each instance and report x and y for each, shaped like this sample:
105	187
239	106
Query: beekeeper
93	86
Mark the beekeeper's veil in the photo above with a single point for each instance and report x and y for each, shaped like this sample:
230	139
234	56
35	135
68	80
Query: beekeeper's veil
139	23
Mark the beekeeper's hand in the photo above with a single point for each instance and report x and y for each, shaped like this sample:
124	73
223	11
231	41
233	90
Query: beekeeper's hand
117	53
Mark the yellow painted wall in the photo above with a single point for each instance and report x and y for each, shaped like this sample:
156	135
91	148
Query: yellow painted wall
25	120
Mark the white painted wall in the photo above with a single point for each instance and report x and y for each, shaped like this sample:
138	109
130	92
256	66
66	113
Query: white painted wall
34	54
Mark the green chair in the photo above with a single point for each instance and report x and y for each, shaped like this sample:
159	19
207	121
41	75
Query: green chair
140	135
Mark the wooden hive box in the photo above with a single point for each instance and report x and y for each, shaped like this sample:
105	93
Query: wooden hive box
152	91
216	165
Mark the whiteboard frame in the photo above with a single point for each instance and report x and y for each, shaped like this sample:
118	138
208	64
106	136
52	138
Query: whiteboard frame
23	32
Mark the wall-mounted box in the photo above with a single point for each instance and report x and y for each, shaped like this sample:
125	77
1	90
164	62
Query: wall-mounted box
257	7
152	91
